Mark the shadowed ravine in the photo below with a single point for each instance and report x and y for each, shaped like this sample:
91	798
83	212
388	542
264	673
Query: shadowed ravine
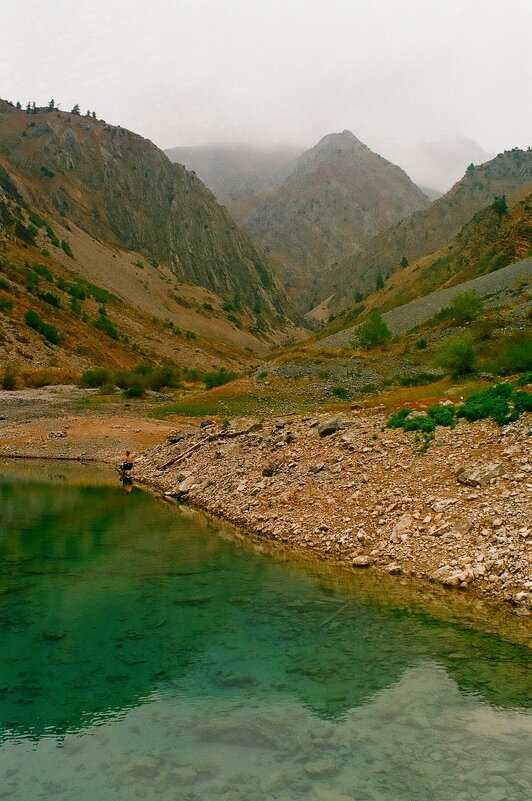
144	655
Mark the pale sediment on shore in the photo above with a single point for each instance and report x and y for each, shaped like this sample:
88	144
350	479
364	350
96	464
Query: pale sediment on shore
361	496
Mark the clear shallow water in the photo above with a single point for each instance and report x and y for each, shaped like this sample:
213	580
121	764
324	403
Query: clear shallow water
143	656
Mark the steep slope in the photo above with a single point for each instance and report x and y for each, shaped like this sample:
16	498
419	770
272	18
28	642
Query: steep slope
118	187
229	170
492	239
429	230
338	196
68	301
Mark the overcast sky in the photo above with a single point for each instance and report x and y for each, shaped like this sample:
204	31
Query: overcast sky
423	82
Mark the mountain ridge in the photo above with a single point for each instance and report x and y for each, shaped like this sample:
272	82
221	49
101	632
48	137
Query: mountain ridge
334	198
428	230
122	189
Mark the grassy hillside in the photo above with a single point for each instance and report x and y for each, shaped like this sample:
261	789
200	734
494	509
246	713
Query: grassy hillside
429	231
93	304
120	189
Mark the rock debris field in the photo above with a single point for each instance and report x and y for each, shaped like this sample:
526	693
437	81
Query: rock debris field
349	491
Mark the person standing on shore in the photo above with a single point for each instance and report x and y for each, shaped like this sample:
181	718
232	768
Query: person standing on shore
127	464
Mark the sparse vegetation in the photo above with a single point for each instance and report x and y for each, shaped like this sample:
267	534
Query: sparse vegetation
103	323
65	246
49	332
501	403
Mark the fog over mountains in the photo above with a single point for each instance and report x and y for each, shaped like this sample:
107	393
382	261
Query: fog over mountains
232	168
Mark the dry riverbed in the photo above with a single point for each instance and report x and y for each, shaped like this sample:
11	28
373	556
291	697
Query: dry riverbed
348	493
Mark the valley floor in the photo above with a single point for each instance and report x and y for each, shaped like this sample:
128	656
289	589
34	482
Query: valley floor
363	497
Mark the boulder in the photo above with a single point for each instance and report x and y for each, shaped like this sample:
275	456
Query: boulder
480	475
330	427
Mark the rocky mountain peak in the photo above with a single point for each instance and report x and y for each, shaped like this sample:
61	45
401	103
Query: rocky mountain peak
345	140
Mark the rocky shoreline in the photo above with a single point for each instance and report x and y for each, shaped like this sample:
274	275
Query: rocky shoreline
343	491
350	492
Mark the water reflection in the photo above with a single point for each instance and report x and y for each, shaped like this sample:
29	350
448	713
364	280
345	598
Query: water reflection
131	629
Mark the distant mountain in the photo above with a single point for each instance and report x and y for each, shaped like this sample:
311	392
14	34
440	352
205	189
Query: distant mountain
120	188
232	169
442	163
428	230
335	198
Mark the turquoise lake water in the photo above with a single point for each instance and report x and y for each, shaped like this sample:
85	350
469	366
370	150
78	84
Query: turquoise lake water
146	656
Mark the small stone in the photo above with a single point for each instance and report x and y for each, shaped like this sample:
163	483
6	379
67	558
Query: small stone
393	570
361	561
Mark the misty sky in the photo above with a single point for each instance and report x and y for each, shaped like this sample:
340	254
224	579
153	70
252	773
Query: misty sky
426	83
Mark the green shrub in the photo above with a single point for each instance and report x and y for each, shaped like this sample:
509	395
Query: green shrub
500	204
77	291
26	234
32	319
31	281
398	418
458	355
142	369
51	236
99	294
417	379
49	332
9	377
51	298
515	355
95	377
442	415
104	324
136	391
494	402
43	271
5	304
218	378
462	309
525	379
522	401
164	376
421	343
341	392
75	306
4	285
419	423
37	221
373	332
192	374
65	246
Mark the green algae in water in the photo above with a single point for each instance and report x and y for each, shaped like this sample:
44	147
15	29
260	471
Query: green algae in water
143	656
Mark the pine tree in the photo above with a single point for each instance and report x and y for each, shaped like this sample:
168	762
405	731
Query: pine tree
75	109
